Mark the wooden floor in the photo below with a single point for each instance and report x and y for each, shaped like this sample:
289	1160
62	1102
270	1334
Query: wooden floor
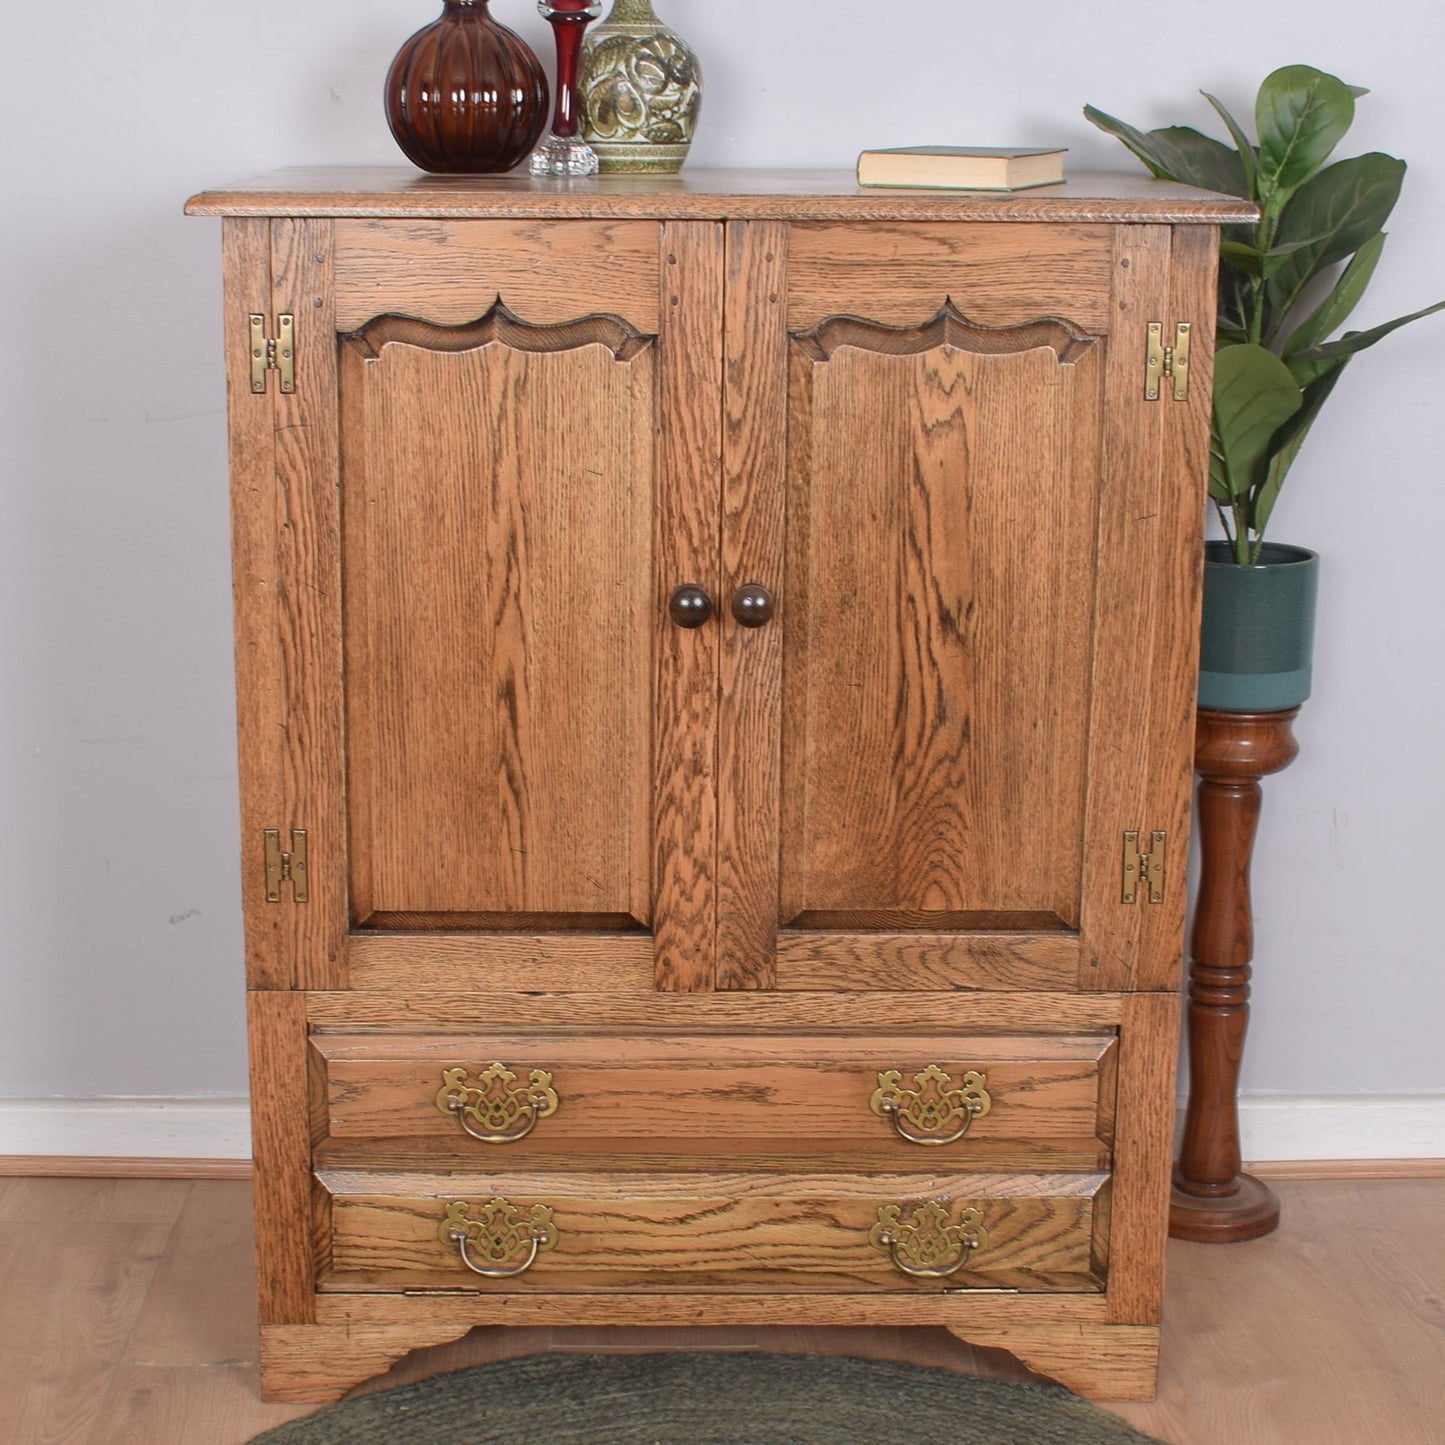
126	1319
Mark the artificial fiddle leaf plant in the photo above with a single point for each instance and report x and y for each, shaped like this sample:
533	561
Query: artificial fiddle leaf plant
1319	225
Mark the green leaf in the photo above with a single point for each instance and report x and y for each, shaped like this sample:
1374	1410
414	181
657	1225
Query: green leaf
1335	309
1335	212
1200	160
1136	140
1249	259
1254	395
1248	154
1355	341
1178	153
1301	115
1286	443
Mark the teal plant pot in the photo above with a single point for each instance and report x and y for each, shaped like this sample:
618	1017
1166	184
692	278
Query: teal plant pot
1256	637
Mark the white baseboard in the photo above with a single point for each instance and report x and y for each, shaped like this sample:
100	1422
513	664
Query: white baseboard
126	1128
1278	1127
1274	1127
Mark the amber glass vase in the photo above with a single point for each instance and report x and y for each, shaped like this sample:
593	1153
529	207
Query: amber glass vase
465	94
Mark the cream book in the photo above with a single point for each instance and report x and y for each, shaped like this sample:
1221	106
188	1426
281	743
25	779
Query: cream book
961	168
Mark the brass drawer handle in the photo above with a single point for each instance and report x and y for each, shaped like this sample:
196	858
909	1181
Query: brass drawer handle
930	1244
919	1114
503	1232
496	1109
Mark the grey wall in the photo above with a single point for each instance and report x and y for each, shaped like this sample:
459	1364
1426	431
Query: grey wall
120	946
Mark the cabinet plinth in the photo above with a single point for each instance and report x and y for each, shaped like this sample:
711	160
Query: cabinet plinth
715	643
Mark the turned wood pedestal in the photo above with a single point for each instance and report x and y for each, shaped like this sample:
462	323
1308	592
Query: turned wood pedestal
1213	1201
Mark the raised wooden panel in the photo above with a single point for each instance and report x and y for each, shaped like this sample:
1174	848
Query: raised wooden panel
497	494
450	272
997	275
942	497
724	1230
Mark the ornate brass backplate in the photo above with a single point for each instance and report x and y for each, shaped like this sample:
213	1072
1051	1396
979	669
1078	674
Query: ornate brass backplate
930	1243
496	1109
934	1111
503	1240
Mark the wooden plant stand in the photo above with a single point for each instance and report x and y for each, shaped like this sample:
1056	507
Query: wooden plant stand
1213	1202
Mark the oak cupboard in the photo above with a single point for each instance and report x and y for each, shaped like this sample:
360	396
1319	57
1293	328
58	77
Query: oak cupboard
715	671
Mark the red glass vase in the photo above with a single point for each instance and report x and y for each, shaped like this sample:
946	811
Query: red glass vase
466	95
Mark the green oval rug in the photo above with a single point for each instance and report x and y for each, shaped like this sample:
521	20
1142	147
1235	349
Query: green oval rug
709	1399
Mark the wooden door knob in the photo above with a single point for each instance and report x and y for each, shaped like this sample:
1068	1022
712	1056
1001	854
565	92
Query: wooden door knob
753	605
689	605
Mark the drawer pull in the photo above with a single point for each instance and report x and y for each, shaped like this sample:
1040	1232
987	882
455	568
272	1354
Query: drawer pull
496	1109
922	1113
508	1237
930	1244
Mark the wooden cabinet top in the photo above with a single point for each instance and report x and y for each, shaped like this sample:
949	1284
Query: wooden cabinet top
398	191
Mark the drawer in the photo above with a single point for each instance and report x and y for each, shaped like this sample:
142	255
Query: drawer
973	1097
672	1228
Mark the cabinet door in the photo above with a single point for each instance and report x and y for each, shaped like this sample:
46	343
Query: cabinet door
982	540
499	461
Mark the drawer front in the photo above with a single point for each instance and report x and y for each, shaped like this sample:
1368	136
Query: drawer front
933	1095
545	1231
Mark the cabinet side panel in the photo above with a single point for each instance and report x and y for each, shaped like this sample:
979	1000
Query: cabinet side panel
1146	623
685	766
260	715
281	1149
1144	1138
308	600
754	459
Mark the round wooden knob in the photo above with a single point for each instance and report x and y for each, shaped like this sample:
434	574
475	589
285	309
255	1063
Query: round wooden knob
753	605
689	605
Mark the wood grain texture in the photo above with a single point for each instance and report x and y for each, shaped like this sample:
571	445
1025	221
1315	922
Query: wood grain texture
102	1267
715	1090
281	1150
713	195
100	1166
308	602
751	662
497	493
937	668
709	1229
762	1012
996	274
450	272
928	961
1145	518
501	961
687	520
1112	1362
1213	1201
260	697
1139	1206
1236	1365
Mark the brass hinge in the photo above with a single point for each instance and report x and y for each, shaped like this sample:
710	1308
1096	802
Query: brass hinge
285	867
276	354
1170	361
1143	867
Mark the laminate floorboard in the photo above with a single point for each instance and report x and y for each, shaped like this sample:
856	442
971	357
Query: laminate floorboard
127	1318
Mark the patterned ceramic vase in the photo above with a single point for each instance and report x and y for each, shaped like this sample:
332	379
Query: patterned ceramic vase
641	89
